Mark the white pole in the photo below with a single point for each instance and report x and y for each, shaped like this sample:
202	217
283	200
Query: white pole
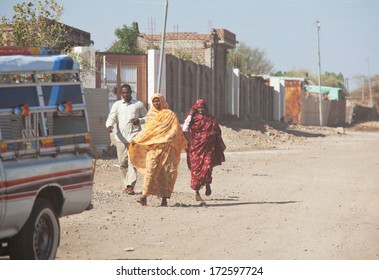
105	73
162	48
319	72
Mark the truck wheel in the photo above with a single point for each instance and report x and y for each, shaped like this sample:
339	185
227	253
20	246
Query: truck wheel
39	237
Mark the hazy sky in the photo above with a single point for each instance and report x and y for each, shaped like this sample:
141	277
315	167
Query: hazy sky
285	29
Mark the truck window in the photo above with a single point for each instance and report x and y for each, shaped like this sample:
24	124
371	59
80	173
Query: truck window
12	97
56	94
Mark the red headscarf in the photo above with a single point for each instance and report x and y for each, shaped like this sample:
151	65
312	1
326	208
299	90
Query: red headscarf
196	105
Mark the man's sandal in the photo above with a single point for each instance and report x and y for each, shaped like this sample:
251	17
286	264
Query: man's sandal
129	190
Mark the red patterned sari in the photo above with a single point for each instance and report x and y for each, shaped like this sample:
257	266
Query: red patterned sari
206	149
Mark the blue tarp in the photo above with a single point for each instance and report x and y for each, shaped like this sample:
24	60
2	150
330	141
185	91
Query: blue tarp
332	92
25	63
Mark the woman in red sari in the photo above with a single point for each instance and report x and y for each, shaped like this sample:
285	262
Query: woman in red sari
206	148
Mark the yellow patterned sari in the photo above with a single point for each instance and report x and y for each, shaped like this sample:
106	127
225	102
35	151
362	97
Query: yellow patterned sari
155	151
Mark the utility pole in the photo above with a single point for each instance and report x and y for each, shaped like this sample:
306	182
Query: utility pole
363	89
347	86
369	83
162	48
319	72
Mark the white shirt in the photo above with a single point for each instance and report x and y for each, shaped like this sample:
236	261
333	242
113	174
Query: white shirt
120	115
187	123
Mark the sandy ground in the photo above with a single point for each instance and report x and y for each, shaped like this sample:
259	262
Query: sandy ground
284	192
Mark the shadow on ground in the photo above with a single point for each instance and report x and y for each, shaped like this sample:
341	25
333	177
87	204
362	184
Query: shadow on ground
234	203
270	126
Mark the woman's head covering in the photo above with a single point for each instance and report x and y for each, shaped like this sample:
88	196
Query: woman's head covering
153	111
164	104
198	103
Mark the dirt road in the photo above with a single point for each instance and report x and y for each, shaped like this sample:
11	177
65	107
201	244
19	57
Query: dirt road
317	198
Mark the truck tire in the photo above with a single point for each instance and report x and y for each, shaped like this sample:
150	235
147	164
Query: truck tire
39	238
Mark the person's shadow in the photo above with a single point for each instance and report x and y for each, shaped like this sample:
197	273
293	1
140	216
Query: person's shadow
230	202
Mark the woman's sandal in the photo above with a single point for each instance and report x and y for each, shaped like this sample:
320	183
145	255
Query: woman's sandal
142	200
164	202
208	190
198	197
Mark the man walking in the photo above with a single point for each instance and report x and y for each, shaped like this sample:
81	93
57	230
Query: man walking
126	117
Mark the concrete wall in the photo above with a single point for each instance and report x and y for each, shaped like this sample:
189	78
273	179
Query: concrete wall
233	94
278	83
333	111
97	110
232	91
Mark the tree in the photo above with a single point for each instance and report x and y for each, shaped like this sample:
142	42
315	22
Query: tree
34	24
127	40
332	79
301	72
250	61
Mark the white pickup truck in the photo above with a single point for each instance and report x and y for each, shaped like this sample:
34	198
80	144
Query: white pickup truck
46	170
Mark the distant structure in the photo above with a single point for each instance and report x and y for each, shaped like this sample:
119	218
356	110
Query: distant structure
196	66
204	49
77	38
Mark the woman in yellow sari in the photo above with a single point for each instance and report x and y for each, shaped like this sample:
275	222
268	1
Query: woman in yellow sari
155	151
